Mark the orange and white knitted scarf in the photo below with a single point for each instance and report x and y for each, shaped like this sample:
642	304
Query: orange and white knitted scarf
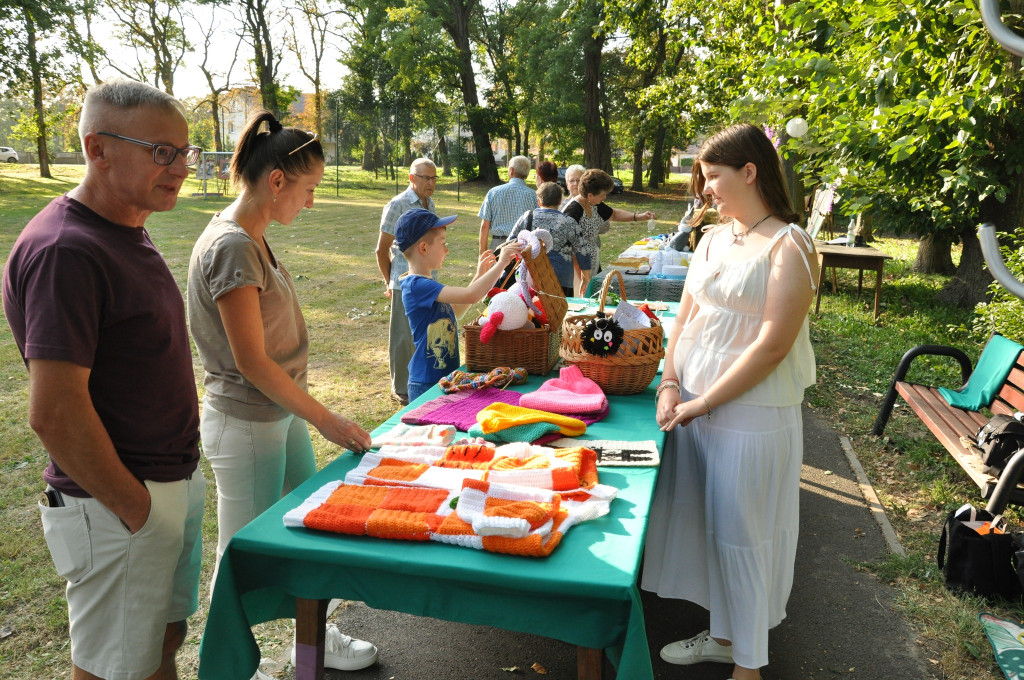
517	499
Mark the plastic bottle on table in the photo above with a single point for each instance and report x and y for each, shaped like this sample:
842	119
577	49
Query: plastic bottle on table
851	233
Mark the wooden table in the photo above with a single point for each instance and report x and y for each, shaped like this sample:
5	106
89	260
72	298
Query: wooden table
845	257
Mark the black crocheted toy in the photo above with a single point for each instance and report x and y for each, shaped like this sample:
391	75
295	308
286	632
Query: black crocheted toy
601	336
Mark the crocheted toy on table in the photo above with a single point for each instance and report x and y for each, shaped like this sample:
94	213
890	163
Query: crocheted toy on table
515	499
502	376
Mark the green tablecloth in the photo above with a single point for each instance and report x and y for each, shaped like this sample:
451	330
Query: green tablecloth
585	593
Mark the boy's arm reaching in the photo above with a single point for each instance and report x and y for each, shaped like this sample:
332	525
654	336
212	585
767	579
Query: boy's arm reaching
487	275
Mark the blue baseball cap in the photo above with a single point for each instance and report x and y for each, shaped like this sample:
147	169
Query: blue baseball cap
414	224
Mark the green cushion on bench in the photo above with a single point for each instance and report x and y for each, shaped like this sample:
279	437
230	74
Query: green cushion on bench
988	376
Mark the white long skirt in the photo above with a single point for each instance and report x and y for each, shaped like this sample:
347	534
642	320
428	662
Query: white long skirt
724	521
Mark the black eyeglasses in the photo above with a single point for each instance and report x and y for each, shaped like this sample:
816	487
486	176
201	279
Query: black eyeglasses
429	178
164	154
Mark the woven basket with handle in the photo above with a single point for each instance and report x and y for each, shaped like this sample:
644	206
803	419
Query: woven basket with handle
535	349
634	364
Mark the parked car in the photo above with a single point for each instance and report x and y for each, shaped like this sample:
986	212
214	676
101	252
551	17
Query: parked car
617	189
8	155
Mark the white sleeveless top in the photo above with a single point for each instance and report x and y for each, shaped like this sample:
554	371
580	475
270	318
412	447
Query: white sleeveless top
731	297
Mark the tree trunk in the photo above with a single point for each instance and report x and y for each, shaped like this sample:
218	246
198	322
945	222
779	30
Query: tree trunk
37	96
456	23
657	169
638	164
969	285
933	255
367	155
442	149
866	227
596	143
526	138
215	114
793	182
263	52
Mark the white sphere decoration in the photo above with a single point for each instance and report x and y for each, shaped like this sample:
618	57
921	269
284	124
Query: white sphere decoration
796	127
512	306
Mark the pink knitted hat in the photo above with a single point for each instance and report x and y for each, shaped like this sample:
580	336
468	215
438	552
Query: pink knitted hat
570	392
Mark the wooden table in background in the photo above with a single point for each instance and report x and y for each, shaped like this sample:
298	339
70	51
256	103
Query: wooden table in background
845	257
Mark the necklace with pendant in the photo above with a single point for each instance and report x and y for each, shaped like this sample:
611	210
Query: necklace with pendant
738	237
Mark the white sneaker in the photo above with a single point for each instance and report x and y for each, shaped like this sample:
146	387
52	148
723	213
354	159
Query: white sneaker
344	653
701	647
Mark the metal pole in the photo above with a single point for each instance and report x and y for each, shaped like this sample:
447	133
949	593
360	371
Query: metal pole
458	167
337	152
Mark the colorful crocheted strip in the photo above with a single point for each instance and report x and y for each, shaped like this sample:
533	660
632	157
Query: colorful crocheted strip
416	435
459	409
516	510
569	469
530	432
502	376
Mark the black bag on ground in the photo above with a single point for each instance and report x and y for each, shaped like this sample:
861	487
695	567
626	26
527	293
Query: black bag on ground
998	440
979	564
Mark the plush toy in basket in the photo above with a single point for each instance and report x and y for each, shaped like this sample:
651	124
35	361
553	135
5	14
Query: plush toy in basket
620	364
512	340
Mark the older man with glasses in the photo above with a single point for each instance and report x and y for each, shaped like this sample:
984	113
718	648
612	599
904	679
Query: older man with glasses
392	265
100	323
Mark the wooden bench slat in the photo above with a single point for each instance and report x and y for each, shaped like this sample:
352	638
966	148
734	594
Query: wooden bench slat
948	425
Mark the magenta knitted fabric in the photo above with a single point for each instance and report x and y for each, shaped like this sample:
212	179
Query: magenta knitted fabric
570	393
459	409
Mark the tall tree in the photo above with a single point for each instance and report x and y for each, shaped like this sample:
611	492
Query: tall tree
457	18
30	61
208	32
316	26
155	30
258	17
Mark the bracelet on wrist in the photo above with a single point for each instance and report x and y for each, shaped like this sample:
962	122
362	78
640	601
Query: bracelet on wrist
708	405
665	385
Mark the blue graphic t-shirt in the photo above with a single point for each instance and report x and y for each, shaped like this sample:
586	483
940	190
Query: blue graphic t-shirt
434	330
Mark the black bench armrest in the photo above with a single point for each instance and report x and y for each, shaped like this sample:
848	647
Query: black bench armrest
904	367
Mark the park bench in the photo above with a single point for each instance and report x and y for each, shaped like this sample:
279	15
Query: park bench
956	428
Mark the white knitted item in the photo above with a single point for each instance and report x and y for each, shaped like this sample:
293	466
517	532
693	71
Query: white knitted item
416	435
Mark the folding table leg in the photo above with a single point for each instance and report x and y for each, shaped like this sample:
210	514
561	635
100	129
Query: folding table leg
310	621
589	663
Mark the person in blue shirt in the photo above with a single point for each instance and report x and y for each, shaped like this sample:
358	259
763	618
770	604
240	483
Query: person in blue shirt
432	307
505	204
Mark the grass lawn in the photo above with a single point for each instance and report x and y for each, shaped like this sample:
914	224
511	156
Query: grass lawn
329	251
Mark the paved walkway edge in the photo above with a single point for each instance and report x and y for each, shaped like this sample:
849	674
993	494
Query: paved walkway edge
874	505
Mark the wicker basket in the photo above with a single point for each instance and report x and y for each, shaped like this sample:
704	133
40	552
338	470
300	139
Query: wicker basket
634	364
535	349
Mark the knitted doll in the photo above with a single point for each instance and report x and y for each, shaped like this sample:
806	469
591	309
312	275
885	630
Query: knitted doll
507	311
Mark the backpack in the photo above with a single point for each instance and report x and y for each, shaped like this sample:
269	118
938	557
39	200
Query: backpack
998	440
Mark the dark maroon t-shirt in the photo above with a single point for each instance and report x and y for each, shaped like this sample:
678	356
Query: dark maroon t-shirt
81	289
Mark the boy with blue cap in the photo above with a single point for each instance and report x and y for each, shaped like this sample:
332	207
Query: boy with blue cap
432	307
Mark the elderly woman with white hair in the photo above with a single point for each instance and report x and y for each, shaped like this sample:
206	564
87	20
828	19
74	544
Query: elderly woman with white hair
608	214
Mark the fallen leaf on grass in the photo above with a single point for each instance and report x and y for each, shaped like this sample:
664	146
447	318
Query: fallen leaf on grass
6	632
511	669
540	670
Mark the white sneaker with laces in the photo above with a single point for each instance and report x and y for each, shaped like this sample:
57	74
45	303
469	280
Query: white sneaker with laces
701	647
344	653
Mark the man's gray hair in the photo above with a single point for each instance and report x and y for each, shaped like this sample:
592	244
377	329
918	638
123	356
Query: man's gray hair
521	166
106	100
549	194
420	162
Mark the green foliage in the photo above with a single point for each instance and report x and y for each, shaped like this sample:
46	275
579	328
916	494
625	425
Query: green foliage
1004	313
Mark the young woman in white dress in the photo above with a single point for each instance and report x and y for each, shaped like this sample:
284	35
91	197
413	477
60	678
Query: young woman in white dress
724	519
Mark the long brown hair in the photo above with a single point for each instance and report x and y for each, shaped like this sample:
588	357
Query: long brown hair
735	146
296	152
